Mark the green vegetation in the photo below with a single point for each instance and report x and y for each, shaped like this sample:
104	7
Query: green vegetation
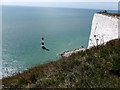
110	14
98	67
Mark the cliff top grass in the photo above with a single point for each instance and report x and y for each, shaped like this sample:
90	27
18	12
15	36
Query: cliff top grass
110	14
98	67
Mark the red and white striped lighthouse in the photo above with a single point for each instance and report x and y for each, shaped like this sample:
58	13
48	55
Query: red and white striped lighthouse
43	45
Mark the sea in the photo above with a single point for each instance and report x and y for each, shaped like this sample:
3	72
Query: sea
23	27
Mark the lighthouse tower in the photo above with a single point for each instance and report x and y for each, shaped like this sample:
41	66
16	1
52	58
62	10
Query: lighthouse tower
43	45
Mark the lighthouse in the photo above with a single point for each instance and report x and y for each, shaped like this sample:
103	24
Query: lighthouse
43	45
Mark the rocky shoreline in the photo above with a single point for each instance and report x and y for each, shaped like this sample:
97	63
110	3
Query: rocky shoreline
68	53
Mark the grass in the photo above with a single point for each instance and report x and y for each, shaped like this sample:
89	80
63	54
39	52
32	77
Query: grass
94	68
110	14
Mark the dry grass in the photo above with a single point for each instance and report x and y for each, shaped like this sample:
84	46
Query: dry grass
110	14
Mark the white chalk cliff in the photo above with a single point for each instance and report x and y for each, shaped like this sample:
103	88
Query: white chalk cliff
104	28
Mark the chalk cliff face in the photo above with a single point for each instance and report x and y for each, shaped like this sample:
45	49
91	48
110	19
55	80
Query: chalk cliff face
104	28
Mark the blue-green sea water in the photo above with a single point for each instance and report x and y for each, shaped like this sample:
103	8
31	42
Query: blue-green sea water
22	29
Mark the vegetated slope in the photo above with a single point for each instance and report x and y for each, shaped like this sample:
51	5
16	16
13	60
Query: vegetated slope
95	67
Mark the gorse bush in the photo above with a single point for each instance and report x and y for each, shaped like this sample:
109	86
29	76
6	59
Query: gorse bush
98	67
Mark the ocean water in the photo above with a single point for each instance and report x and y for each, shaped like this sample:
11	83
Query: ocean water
23	27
